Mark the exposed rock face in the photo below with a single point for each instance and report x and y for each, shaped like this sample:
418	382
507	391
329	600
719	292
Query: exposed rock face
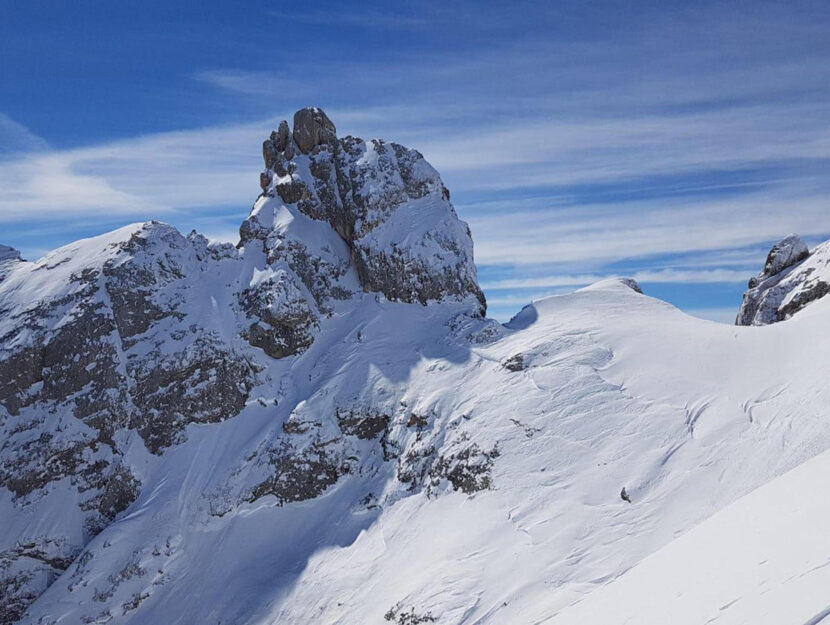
285	324
398	233
100	342
791	279
784	254
26	570
312	127
115	350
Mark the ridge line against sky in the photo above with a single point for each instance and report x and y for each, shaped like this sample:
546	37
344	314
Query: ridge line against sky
580	140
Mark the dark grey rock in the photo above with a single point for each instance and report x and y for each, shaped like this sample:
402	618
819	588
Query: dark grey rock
397	615
467	470
312	127
786	253
792	278
632	284
301	473
284	324
366	425
515	363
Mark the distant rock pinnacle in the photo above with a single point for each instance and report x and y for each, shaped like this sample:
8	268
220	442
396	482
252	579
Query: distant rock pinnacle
791	279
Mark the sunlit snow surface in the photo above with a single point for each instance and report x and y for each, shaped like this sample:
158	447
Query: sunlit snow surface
618	390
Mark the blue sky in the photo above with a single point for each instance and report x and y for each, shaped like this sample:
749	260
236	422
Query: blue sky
674	142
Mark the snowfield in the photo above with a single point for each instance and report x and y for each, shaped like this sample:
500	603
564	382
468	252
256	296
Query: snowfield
764	559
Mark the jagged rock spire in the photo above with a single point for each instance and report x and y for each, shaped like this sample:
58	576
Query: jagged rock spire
312	127
784	254
791	279
384	201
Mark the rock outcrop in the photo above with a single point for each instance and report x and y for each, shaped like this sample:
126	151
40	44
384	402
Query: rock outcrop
8	253
783	255
9	257
312	127
396	231
791	279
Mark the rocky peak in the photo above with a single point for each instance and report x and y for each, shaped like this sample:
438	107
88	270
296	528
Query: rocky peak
114	349
312	127
791	279
8	253
9	257
784	254
348	215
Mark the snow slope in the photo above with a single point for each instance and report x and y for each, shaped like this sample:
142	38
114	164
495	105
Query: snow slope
764	559
620	390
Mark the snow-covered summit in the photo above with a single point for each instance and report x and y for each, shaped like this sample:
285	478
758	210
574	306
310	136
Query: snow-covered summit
791	279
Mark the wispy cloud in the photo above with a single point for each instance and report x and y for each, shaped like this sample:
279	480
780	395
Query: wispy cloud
613	231
15	138
255	83
556	152
658	276
160	173
670	144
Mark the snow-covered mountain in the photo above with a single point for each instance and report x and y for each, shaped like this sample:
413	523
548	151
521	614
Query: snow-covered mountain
320	425
791	279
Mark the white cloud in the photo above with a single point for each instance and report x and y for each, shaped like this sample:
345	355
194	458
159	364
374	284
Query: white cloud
254	83
181	172
598	233
693	276
160	173
713	96
585	151
16	138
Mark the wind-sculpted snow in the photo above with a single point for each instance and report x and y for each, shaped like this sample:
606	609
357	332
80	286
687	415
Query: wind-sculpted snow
320	426
762	560
792	278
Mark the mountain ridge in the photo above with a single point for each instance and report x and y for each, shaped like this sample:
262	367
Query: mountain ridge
320	424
